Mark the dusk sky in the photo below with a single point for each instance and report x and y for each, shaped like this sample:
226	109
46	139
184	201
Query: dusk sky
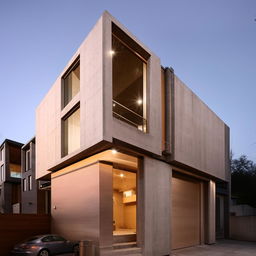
211	44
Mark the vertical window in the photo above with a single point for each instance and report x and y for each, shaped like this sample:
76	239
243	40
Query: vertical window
1	154
29	182
71	132
24	184
28	161
129	84
71	81
2	173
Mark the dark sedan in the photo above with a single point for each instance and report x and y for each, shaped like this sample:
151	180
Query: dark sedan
45	245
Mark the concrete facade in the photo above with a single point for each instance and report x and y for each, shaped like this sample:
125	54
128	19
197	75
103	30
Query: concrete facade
10	174
184	140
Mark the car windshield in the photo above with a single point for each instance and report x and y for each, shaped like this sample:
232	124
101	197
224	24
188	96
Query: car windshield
31	239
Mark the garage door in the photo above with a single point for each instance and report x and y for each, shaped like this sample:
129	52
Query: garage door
185	213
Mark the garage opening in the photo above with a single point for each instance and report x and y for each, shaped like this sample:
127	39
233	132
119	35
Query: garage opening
185	212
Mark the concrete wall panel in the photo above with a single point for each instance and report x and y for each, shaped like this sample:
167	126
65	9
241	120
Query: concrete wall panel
49	112
113	128
199	135
243	228
157	177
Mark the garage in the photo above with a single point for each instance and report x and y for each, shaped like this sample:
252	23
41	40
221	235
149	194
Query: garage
185	196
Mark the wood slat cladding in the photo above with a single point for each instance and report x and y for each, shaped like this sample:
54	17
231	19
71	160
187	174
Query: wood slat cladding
15	228
185	221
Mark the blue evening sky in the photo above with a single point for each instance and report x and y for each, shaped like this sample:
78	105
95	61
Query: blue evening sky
211	44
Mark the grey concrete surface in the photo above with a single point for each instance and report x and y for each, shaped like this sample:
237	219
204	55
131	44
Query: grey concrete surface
221	248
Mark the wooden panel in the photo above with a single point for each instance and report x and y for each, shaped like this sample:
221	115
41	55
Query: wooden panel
185	213
15	228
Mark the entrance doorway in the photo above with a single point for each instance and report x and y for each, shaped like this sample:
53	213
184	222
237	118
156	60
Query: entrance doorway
124	204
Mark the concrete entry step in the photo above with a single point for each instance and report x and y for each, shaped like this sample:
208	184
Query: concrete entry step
124	238
128	251
124	245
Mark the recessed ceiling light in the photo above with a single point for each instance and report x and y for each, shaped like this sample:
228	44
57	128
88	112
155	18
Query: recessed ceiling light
139	101
114	151
112	52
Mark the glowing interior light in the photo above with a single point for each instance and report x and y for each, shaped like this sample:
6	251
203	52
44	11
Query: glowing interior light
127	193
112	52
121	175
114	151
114	104
139	101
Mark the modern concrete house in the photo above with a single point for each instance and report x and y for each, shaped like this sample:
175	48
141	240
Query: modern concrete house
35	196
138	163
10	174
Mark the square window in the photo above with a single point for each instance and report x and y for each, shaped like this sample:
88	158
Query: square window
71	83
71	133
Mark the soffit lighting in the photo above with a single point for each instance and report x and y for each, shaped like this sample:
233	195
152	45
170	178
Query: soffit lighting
114	151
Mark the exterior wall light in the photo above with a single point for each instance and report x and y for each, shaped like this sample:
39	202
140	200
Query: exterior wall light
121	175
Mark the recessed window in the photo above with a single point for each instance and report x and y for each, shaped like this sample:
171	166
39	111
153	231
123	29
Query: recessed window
28	161
2	173
29	182
71	133
24	184
129	84
71	83
1	154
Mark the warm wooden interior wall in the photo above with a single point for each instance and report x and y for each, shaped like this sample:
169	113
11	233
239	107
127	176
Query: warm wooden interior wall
16	227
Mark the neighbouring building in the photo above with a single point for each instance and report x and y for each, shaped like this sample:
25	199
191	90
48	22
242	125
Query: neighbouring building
138	163
35	195
10	174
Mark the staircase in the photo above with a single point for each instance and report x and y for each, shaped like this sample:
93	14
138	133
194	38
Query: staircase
126	245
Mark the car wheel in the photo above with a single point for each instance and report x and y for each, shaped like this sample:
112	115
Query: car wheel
76	250
44	253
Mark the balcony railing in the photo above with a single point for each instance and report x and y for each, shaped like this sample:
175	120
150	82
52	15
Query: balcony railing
15	174
127	115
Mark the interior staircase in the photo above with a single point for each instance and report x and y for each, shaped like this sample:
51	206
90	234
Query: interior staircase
126	245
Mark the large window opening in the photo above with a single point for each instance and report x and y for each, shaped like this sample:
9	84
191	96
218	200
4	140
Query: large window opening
71	82
124	203
71	132
129	83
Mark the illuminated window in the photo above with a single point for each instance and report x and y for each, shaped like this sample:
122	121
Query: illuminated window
71	83
71	132
129	81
